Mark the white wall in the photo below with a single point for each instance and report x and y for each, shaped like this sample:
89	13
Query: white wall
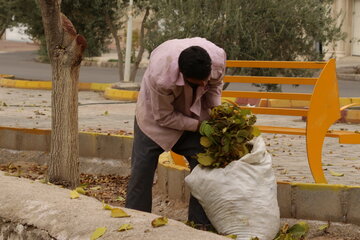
17	34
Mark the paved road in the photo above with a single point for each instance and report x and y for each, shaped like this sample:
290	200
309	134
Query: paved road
22	65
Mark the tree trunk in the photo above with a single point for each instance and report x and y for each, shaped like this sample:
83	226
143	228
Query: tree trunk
4	25
2	30
118	47
141	50
65	48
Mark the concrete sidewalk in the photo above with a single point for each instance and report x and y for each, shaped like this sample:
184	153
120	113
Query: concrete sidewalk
22	108
29	211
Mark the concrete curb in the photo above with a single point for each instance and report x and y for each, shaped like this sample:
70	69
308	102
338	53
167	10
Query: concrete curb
99	145
6	76
326	202
99	153
119	94
349	76
46	85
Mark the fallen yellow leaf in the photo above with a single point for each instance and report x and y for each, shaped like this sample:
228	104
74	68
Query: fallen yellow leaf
98	233
118	213
120	198
80	190
336	174
125	227
107	207
232	236
158	222
324	227
74	194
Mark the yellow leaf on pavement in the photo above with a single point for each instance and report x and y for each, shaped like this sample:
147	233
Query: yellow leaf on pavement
107	207
118	213
74	194
158	222
324	227
299	230
80	190
336	174
125	227
232	236
98	233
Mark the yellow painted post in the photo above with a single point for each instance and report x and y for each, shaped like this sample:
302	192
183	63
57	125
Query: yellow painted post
323	112
178	159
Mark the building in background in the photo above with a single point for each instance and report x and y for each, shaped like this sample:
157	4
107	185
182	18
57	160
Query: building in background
350	18
17	34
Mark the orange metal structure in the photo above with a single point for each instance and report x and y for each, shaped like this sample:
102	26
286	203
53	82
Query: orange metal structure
323	111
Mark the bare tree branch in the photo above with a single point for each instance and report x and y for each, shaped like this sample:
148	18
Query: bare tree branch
141	50
114	32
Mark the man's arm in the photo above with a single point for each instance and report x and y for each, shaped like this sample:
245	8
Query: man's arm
213	95
162	100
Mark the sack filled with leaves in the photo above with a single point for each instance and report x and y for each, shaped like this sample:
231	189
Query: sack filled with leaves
235	182
226	135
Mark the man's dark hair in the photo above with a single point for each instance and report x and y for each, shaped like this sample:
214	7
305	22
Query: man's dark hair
195	62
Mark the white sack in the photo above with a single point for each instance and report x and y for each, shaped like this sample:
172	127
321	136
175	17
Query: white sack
240	199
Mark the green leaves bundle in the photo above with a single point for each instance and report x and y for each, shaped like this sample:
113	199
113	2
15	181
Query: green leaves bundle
226	135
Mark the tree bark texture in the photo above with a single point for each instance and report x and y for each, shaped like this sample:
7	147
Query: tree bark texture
65	48
3	28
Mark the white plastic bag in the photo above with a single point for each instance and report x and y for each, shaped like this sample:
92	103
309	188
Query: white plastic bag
240	199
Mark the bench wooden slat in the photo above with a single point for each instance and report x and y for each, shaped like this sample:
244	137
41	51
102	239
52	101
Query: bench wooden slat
275	64
282	130
277	111
345	137
271	80
267	95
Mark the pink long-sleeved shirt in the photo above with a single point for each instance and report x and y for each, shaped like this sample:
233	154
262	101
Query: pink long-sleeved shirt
166	106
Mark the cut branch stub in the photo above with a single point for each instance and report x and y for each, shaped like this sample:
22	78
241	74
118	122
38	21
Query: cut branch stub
73	43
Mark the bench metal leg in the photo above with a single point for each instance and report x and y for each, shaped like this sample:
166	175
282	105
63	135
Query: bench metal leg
314	143
323	112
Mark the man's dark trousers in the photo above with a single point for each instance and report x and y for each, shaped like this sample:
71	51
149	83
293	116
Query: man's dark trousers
144	161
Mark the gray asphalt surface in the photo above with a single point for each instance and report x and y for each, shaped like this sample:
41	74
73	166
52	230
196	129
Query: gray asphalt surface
23	66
